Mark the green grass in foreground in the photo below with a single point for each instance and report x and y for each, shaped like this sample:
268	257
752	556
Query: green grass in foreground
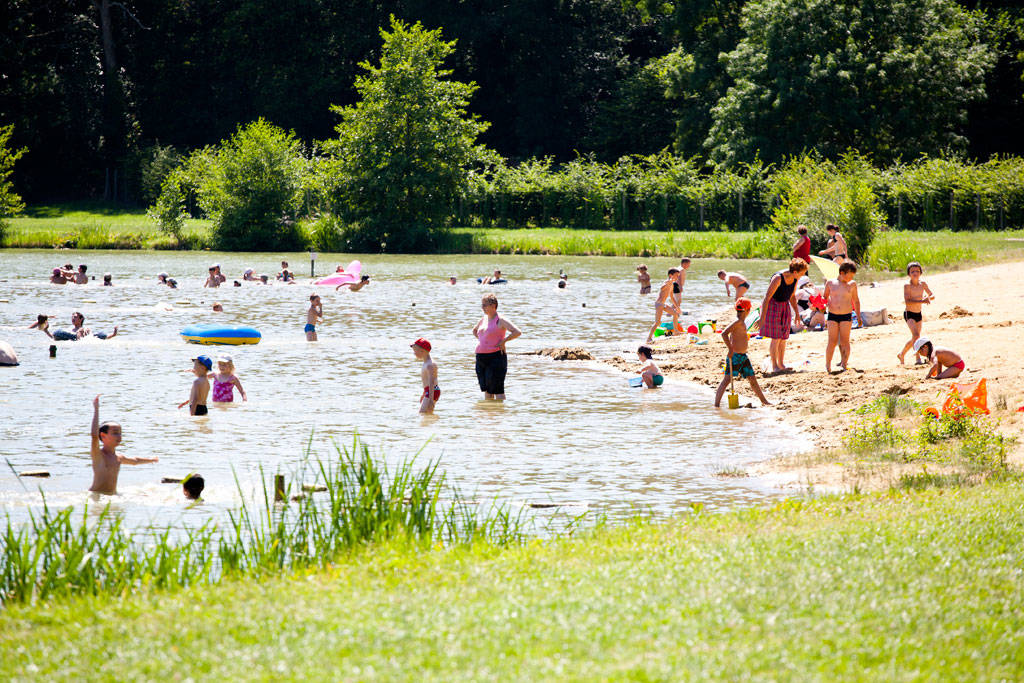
924	585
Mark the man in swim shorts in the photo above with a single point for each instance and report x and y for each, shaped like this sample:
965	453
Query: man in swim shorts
738	282
314	315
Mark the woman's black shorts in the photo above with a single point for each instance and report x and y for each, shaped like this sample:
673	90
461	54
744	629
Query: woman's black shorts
490	372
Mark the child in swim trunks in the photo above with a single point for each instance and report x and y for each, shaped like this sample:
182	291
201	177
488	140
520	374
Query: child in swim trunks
225	381
842	299
946	363
649	371
664	303
314	315
106	463
915	293
737	364
644	279
201	366
428	375
738	282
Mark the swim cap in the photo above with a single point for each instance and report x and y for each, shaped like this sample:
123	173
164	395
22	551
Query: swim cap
422	343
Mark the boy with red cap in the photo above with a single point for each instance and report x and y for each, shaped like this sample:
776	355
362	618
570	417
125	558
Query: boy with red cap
737	364
428	374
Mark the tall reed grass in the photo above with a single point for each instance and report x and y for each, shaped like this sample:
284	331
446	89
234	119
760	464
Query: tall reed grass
59	553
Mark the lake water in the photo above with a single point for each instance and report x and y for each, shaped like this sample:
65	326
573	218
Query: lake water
570	433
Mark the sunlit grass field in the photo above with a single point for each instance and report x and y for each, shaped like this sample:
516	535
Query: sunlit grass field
898	586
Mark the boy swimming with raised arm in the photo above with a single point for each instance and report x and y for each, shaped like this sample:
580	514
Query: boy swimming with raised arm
664	303
738	282
201	366
355	286
842	300
428	376
915	293
314	314
106	463
737	364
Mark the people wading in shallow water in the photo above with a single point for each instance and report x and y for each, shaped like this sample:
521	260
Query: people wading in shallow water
491	359
777	309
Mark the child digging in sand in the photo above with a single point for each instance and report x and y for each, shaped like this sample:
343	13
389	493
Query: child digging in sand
106	463
946	363
428	375
842	299
664	303
737	364
915	293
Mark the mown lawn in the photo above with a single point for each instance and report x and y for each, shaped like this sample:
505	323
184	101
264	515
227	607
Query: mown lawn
926	585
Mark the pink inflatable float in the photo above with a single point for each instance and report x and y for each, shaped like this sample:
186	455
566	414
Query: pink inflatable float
350	274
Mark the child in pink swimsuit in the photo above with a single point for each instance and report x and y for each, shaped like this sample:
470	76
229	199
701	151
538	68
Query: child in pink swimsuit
224	381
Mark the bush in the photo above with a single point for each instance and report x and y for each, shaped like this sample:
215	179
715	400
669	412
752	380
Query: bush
10	202
815	192
250	187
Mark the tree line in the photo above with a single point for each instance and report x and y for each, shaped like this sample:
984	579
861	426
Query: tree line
96	90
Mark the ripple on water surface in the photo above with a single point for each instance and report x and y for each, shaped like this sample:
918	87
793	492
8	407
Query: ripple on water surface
570	432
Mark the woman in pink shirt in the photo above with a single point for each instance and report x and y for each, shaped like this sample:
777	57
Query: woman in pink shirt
491	360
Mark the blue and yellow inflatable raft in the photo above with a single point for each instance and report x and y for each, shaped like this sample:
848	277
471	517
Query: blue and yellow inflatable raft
220	334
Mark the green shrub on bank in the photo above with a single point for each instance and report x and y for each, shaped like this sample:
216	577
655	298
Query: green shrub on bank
336	506
10	202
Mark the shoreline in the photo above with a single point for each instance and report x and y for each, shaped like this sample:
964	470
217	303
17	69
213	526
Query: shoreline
974	313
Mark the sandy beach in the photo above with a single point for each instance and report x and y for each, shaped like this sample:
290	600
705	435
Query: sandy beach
976	312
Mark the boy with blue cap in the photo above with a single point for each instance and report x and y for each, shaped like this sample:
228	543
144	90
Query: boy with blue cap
201	366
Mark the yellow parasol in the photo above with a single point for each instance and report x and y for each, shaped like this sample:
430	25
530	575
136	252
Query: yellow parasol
829	269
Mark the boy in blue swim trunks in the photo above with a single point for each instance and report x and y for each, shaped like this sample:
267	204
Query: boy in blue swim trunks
649	372
737	364
314	315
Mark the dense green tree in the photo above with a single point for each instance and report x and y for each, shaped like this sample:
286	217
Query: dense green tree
402	151
10	202
890	78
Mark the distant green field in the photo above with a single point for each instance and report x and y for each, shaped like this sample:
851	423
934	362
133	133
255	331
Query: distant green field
94	225
898	586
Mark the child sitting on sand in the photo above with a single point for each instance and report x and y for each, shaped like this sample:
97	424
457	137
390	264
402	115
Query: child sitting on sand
649	371
225	381
915	293
643	278
946	363
737	364
201	366
738	282
841	297
428	375
106	463
664	303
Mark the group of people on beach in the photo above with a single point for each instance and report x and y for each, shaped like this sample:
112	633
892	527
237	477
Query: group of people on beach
792	303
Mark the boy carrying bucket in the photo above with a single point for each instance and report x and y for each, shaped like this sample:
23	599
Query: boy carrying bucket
737	364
